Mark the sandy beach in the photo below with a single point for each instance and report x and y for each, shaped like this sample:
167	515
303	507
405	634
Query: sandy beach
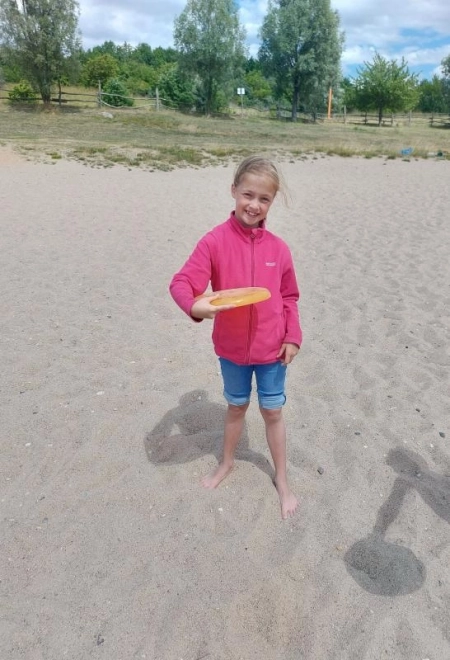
112	411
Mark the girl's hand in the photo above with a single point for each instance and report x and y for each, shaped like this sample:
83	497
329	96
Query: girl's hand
287	353
202	308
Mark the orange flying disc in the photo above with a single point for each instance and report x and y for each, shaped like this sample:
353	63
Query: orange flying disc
239	297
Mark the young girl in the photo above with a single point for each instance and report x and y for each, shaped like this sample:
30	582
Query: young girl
260	339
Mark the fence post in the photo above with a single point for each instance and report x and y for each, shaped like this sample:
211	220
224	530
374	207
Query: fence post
392	119
345	114
99	94
157	99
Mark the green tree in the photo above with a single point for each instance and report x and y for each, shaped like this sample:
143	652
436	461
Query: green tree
120	53
116	94
301	49
143	54
257	87
445	64
433	95
99	68
210	41
177	88
12	72
140	78
163	56
446	80
106	48
42	36
347	93
384	85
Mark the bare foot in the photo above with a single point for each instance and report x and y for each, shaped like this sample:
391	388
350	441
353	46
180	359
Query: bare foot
288	501
213	480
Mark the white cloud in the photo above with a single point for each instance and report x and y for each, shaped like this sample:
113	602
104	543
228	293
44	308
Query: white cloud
133	21
419	30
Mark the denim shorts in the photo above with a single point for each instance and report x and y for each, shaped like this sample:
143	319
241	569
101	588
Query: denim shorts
270	380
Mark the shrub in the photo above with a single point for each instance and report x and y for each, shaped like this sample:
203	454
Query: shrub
99	68
22	93
138	87
177	89
116	93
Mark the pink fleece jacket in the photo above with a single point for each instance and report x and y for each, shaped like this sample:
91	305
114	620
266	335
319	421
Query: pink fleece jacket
232	256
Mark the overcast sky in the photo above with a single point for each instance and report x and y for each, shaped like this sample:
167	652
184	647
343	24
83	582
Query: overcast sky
419	30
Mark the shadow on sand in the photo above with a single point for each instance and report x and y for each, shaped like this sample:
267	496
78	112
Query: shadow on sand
194	429
388	569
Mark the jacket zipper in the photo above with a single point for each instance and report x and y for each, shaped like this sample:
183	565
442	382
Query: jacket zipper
250	320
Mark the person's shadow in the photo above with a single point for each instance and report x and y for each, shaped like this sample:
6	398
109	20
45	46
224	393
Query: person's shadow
193	429
389	569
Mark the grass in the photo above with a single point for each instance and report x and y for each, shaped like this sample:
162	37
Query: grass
142	137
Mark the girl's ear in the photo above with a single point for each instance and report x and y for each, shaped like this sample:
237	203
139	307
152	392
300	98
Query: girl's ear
233	191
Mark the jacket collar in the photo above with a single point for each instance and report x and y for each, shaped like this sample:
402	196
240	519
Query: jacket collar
247	232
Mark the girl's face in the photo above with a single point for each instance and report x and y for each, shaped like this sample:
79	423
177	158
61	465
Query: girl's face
254	195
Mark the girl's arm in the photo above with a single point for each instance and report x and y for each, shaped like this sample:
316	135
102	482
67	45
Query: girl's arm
290	294
193	278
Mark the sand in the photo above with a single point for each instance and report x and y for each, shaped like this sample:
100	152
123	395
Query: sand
111	412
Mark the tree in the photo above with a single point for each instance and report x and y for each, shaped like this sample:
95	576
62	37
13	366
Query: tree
301	49
176	88
116	93
42	37
211	43
433	95
445	64
140	78
384	85
120	53
257	88
143	54
446	81
99	68
163	56
347	94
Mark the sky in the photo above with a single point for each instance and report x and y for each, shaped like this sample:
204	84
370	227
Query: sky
418	30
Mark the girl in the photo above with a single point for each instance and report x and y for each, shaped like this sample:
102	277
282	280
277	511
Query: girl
261	339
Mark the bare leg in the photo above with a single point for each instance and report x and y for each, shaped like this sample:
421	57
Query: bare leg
234	422
276	439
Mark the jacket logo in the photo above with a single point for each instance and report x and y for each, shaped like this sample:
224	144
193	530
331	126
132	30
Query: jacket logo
271	263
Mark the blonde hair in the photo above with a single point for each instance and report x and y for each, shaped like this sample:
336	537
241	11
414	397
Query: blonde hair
261	166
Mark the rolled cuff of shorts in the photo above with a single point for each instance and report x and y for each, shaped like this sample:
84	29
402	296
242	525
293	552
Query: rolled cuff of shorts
272	402
236	400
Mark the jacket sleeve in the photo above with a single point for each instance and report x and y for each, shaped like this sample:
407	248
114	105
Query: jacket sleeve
193	278
291	294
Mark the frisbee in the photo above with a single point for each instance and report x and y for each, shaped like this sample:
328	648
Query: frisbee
239	297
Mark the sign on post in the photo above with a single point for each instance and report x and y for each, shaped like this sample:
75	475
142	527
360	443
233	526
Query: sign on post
241	92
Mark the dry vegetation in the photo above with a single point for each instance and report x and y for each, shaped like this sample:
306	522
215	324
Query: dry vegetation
166	139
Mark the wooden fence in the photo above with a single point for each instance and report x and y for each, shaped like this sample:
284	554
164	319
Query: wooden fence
363	119
367	119
100	99
406	119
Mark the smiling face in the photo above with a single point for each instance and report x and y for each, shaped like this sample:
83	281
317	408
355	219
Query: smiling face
254	195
